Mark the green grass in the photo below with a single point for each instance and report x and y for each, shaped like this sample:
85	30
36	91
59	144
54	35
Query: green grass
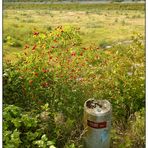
76	6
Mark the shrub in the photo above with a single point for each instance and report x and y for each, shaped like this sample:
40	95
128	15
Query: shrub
36	71
134	135
58	71
44	75
20	129
126	78
138	129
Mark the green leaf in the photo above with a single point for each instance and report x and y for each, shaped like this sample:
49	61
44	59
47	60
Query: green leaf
16	122
40	143
15	137
52	146
28	121
50	143
44	138
31	136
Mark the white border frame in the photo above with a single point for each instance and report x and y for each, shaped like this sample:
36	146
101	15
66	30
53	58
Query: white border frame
146	105
1	90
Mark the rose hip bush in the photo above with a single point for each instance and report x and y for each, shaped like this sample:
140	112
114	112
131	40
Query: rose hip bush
58	70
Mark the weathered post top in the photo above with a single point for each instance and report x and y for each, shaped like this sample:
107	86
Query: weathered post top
97	107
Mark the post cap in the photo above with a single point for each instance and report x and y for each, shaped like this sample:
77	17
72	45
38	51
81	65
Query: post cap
97	107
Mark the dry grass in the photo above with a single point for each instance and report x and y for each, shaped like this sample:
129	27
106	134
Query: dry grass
96	27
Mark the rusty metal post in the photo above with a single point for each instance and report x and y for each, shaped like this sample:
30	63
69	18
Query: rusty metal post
97	123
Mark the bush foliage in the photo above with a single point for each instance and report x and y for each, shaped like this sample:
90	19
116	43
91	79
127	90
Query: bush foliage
57	70
22	129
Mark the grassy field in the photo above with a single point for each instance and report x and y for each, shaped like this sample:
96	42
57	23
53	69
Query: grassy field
98	26
77	6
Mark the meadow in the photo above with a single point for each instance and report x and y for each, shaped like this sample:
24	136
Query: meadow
98	26
56	56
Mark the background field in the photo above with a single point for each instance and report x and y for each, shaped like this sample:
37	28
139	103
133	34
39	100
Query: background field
98	25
